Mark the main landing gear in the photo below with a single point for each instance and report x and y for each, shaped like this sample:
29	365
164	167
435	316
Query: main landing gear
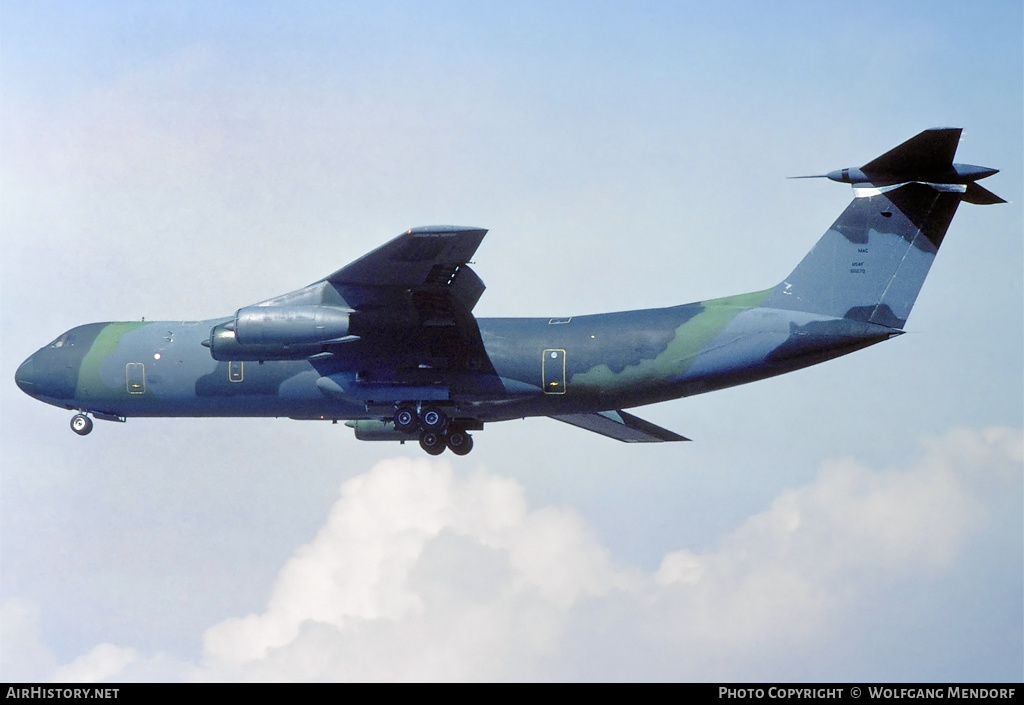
455	440
436	432
459	442
81	424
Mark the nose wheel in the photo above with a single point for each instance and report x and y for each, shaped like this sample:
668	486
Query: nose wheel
81	424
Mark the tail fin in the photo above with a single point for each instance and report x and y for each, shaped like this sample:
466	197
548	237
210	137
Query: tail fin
872	262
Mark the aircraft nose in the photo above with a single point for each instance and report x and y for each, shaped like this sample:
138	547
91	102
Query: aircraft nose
25	377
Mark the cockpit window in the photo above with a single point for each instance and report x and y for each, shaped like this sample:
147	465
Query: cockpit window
67	340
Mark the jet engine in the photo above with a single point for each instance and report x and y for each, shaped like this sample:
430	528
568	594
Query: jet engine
290	325
278	332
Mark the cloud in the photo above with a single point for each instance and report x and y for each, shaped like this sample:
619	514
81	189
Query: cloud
104	661
24	655
421	573
798	567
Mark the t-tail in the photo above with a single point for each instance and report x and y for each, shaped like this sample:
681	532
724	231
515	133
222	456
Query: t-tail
872	262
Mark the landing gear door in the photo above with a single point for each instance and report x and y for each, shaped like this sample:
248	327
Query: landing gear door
553	371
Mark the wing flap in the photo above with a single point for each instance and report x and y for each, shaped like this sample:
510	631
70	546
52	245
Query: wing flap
621	426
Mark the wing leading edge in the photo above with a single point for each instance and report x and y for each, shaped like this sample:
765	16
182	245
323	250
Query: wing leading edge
621	426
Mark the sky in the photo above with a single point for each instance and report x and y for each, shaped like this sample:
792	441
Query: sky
861	520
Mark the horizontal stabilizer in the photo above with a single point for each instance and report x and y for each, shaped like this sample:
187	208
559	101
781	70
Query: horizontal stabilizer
980	196
621	426
926	158
930	151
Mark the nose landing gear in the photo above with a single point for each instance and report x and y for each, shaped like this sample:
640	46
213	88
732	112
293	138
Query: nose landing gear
81	424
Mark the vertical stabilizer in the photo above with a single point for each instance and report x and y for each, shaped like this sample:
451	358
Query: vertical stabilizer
871	263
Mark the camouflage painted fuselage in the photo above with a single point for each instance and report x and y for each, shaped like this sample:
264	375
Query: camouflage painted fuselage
389	342
542	366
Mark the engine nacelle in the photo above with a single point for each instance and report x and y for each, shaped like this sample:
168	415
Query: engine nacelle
290	325
224	347
260	333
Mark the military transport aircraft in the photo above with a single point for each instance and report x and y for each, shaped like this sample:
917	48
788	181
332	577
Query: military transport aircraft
389	343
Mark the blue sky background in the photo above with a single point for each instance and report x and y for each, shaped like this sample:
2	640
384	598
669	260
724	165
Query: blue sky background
861	520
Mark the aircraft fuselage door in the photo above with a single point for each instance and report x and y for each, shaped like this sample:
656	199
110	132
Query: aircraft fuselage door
553	371
135	377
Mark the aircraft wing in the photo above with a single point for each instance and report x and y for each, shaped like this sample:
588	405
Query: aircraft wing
415	295
421	258
429	263
621	426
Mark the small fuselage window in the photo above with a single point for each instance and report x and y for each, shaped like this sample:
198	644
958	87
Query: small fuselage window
64	341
